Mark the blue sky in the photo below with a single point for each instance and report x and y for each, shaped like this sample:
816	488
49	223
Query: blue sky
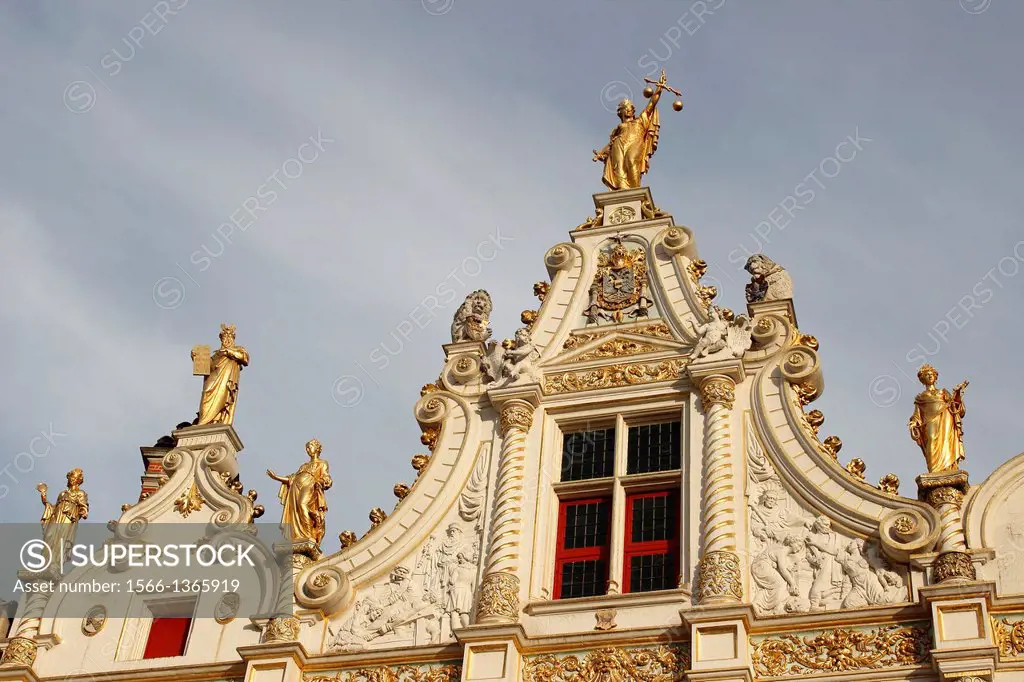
132	131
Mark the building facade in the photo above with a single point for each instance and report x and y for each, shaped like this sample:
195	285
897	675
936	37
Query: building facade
635	487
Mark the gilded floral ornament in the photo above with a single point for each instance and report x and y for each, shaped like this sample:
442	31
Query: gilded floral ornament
658	330
1009	637
856	468
529	317
650	212
189	501
377	517
614	376
717	389
953	566
279	629
832	445
616	348
697	268
842	650
516	414
429	436
499	598
20	651
540	290
347	538
666	663
945	495
622	215
401	491
890	483
419	463
807	340
813	420
718	578
445	672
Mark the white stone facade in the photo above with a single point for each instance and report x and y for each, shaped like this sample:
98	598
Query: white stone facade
789	565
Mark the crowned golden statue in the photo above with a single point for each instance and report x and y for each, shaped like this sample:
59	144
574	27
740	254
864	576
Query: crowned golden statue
302	495
222	370
937	423
60	519
632	143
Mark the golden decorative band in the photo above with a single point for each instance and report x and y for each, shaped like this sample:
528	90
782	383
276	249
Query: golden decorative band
499	598
717	389
718	578
516	414
953	566
20	651
945	495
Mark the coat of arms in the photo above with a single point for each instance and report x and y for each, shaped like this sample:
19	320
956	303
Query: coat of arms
619	285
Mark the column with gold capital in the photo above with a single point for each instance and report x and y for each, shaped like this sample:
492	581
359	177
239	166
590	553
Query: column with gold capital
718	572
499	591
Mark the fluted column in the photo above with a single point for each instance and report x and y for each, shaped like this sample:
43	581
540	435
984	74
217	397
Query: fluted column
945	492
718	574
499	591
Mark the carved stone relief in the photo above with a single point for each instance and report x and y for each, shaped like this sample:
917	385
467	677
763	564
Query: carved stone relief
427	597
798	562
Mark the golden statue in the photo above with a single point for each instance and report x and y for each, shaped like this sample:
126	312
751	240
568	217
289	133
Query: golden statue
302	494
220	388
627	156
937	423
60	518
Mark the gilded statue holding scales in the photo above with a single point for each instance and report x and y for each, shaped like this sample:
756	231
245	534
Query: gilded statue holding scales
937	422
222	370
627	156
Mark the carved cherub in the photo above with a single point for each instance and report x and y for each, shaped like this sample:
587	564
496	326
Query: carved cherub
720	334
520	362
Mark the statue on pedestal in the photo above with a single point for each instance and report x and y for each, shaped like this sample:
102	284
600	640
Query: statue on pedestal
632	143
60	519
303	499
222	370
937	423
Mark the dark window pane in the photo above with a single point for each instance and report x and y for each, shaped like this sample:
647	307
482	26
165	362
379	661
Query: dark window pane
654	447
586	525
651	572
653	519
588	454
583	578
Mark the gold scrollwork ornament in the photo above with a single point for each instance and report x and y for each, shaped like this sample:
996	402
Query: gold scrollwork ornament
841	650
1009	637
657	664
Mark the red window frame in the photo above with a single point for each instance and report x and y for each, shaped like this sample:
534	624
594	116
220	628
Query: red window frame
565	556
167	637
637	549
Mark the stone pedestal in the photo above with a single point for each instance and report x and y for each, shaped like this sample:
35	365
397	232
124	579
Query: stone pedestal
719	644
274	662
199	437
492	653
15	673
965	645
945	492
782	306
